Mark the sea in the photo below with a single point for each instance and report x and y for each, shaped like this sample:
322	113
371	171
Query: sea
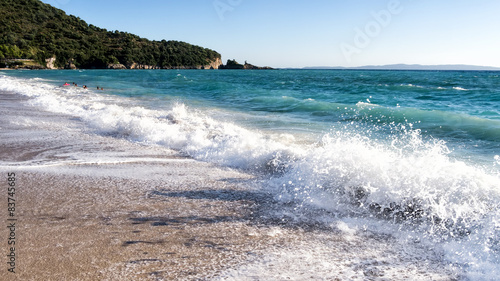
414	155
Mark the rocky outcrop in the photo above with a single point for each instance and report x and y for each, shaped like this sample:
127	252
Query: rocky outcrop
116	66
142	66
215	64
251	66
50	63
233	64
70	64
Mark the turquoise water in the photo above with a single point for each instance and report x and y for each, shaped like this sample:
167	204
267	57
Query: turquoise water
419	149
459	107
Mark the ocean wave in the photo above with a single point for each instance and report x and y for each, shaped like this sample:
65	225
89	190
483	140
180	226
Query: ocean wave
437	123
180	128
427	87
411	86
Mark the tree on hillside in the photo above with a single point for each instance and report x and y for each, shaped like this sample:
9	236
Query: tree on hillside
34	30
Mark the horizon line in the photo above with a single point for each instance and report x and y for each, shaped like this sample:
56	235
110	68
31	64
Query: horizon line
403	66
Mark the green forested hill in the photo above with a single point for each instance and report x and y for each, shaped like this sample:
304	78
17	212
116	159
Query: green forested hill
30	29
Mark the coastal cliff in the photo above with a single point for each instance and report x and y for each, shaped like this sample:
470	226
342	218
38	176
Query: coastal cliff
214	64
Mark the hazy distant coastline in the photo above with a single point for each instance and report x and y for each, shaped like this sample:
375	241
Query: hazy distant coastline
412	67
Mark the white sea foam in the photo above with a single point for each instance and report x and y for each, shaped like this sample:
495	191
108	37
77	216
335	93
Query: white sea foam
408	178
411	85
367	104
348	254
179	128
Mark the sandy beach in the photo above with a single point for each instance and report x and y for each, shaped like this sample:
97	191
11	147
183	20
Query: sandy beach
95	207
151	215
103	228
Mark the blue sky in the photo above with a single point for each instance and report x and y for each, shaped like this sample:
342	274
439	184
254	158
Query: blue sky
293	33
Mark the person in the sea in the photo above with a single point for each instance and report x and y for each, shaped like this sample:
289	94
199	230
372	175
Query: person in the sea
85	87
66	84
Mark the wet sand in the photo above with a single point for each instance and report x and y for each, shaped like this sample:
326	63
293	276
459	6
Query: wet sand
118	211
75	227
93	207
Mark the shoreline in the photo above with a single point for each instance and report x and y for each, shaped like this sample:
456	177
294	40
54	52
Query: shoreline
95	220
94	207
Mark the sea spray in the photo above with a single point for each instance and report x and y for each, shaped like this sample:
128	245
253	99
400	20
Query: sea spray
351	172
410	182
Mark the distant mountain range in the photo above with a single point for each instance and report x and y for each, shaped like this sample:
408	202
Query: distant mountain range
412	67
